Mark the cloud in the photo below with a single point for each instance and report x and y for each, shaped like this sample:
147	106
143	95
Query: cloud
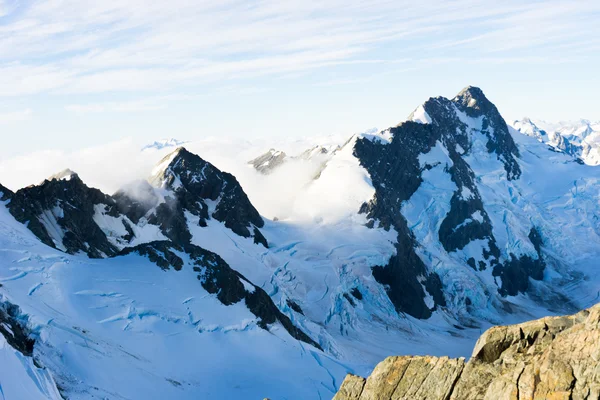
86	46
120	164
15	116
140	105
106	167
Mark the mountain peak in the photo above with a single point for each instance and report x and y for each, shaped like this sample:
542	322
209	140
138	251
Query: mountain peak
269	161
178	162
527	120
472	91
183	152
472	99
60	212
64	175
160	171
195	182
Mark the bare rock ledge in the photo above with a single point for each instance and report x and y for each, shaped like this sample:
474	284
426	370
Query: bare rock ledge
550	358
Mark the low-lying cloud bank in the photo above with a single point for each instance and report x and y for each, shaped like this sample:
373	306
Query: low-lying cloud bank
113	166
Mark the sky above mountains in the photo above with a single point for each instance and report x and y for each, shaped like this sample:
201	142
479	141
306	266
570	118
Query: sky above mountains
79	73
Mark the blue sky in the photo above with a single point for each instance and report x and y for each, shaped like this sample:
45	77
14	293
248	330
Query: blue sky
79	73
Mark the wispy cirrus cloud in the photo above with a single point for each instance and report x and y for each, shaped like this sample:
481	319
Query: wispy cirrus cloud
142	104
85	46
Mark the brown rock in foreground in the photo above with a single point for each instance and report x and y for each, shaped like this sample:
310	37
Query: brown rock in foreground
550	358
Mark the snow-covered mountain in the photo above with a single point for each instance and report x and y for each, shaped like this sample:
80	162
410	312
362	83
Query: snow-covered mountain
318	154
267	162
407	240
163	144
161	317
274	159
581	139
68	215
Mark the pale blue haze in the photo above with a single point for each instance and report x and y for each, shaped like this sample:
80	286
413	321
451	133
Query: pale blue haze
79	73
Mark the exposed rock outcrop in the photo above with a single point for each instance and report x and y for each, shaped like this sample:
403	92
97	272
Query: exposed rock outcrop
203	190
60	211
550	358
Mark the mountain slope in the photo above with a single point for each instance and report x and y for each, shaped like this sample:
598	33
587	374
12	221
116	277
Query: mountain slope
72	217
5	194
66	214
125	327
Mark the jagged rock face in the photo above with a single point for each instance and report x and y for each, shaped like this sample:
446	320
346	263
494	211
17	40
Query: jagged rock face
315	151
551	358
395	172
218	278
397	169
5	194
269	161
207	192
60	212
473	102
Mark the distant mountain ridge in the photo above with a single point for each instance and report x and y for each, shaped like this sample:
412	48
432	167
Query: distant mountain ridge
580	139
163	144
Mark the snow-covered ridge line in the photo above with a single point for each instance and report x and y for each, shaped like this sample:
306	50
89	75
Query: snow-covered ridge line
163	143
319	154
580	139
65	213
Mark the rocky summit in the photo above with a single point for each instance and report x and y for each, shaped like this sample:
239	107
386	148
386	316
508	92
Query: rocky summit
549	358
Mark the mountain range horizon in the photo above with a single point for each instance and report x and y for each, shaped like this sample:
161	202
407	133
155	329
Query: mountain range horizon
406	241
